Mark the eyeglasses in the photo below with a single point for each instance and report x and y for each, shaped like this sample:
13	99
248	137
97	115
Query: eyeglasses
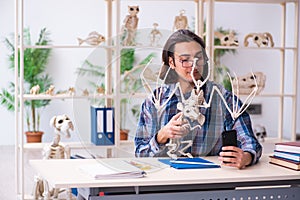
189	63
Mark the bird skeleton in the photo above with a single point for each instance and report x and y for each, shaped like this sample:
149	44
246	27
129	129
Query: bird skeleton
190	106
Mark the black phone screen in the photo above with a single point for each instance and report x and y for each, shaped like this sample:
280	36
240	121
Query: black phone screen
229	138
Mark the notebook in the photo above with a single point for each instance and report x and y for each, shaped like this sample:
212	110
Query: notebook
189	163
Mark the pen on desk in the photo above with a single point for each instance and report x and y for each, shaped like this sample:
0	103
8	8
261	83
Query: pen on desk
192	163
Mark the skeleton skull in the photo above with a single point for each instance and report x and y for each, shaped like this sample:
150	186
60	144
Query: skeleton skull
246	83
227	39
260	132
62	124
260	39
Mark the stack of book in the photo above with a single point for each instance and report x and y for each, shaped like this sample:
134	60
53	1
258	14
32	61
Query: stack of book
287	154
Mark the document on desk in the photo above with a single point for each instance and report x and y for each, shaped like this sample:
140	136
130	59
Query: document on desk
108	169
189	163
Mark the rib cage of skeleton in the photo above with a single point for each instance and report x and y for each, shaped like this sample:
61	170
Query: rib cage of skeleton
193	103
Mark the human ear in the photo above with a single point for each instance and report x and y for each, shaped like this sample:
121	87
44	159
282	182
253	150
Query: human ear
171	63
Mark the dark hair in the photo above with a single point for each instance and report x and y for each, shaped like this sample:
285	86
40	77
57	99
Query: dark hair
182	35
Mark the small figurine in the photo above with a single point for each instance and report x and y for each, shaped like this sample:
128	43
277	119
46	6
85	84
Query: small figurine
62	126
260	39
35	90
100	89
155	35
71	91
50	90
130	25
247	82
85	92
93	39
227	39
181	21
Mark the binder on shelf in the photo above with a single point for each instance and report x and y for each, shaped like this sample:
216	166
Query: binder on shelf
103	126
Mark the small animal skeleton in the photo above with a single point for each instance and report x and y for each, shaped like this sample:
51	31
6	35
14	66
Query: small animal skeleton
85	92
130	25
181	21
94	39
56	150
190	106
227	39
50	90
155	35
71	91
35	90
260	39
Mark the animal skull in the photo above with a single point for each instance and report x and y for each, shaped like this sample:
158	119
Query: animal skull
62	124
260	39
227	39
260	132
246	83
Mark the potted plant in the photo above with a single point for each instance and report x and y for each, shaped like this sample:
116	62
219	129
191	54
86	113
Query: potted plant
130	82
35	61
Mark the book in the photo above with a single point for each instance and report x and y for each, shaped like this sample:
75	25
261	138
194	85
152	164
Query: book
285	163
287	155
189	163
293	147
111	169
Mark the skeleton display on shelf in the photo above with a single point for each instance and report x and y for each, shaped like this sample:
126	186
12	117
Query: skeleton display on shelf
190	106
56	150
181	21
94	38
35	90
130	25
70	92
50	90
247	82
229	39
260	39
155	36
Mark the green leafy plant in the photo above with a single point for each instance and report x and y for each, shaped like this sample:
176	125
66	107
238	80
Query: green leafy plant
35	62
130	78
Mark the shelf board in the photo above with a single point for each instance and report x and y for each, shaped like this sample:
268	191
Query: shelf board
258	1
122	96
67	47
254	48
72	145
64	96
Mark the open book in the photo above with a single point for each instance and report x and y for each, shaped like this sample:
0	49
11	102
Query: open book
113	168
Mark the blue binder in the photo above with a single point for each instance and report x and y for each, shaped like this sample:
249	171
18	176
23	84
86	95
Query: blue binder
189	163
103	126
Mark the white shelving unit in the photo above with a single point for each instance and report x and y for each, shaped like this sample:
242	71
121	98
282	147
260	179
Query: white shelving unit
281	48
112	92
113	7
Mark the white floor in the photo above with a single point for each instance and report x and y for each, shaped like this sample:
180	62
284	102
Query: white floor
7	170
7	173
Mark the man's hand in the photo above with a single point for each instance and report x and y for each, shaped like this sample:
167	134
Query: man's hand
175	128
238	158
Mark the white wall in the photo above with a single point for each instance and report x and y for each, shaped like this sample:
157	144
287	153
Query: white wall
69	19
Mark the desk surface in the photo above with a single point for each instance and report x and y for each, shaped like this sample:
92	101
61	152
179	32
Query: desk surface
66	174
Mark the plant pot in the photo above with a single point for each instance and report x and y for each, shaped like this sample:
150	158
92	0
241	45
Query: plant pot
124	134
33	137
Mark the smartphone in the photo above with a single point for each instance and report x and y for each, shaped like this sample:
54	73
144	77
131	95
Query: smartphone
229	138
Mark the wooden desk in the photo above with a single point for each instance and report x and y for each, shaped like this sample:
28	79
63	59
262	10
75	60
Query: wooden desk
66	174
